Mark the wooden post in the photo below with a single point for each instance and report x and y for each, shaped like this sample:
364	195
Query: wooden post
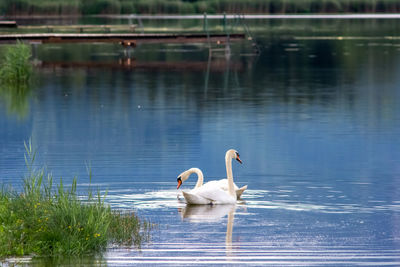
224	22
8	24
205	28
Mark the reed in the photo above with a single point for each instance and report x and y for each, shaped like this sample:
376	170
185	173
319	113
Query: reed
45	220
15	78
15	68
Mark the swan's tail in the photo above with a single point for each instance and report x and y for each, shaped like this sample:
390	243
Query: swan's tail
240	191
194	199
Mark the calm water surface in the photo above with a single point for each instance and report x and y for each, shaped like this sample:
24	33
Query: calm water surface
316	120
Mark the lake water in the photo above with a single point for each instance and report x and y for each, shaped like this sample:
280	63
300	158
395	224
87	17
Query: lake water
315	118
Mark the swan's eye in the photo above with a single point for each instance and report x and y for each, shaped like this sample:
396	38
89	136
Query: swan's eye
237	154
179	179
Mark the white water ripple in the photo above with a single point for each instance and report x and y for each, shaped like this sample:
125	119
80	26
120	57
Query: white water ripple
251	199
252	254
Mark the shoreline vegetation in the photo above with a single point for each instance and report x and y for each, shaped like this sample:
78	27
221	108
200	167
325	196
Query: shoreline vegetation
16	73
93	7
49	221
15	67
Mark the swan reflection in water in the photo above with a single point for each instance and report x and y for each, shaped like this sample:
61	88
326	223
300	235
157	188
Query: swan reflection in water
212	213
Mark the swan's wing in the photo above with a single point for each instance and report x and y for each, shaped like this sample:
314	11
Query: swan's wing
223	184
195	199
214	183
240	191
215	194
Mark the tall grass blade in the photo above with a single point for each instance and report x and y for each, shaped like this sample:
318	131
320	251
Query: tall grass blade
43	221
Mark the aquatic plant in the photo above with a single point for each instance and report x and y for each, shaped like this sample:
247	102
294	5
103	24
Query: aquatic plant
15	78
47	221
15	68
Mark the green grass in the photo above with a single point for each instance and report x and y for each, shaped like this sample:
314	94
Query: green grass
43	220
15	78
15	68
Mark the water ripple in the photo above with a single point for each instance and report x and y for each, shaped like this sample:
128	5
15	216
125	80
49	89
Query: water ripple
252	199
253	254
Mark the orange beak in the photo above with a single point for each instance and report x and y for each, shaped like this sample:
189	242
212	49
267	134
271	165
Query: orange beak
179	183
238	159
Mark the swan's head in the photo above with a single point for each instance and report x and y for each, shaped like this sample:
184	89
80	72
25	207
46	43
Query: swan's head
237	157
232	153
185	175
179	180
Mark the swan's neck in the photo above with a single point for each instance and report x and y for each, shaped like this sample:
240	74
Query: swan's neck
229	230
200	178
229	175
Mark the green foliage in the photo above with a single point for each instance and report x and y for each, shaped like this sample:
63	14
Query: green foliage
48	221
15	78
100	6
36	7
60	7
15	68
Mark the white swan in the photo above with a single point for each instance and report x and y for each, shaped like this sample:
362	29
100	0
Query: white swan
211	193
223	183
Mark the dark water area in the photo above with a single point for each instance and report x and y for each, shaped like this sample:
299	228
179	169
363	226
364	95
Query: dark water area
315	118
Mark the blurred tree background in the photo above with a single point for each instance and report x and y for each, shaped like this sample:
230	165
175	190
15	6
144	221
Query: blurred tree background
86	7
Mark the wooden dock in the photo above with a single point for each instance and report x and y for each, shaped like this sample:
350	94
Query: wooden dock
129	28
8	24
123	38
